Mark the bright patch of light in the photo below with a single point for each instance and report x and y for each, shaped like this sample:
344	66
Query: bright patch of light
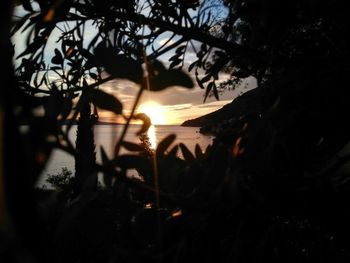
155	111
166	42
151	133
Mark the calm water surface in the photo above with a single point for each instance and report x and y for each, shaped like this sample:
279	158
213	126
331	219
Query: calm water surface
107	135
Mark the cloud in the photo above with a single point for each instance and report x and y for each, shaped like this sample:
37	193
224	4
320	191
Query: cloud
166	41
214	104
178	107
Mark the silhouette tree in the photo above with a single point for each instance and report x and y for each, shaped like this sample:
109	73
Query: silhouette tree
85	155
276	191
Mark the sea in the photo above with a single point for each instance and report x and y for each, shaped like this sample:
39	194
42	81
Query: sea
107	135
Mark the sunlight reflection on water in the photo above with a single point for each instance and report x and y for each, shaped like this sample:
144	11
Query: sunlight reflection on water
151	133
107	135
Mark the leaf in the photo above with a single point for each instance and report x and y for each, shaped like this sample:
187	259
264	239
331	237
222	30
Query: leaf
180	49
69	43
107	173
106	101
27	5
173	77
102	52
43	77
199	82
146	122
104	156
118	65
132	147
206	78
58	58
126	68
165	143
66	108
208	150
215	91
175	63
175	57
207	91
186	153
190	67
155	67
173	151
198	151
190	3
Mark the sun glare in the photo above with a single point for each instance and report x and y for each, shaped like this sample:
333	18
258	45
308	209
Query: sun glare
155	111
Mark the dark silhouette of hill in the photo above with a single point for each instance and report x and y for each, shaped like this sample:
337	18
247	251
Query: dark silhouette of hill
248	103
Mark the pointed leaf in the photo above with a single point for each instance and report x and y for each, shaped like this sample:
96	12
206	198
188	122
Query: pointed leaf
175	63
215	92
190	67
69	43
180	49
186	153
174	77
66	108
106	101
207	91
104	156
165	143
107	171
55	68
199	82
175	57
208	150
198	151
118	65
155	67
173	151
132	147
206	78
107	179
125	68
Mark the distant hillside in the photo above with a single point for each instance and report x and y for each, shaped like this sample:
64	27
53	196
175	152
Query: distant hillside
249	102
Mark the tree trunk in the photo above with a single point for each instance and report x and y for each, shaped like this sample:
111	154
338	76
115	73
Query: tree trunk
85	156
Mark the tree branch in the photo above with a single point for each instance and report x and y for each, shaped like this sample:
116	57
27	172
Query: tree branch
195	34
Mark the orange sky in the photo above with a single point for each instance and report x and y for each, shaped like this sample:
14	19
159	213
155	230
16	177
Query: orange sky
171	106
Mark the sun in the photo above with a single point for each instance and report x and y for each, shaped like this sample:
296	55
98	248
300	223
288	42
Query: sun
155	111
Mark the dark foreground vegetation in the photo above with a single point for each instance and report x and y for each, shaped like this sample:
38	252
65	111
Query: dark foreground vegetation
273	187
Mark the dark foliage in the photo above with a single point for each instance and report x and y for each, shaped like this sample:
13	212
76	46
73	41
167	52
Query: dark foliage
273	187
60	181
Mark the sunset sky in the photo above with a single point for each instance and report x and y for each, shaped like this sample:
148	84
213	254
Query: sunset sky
171	106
